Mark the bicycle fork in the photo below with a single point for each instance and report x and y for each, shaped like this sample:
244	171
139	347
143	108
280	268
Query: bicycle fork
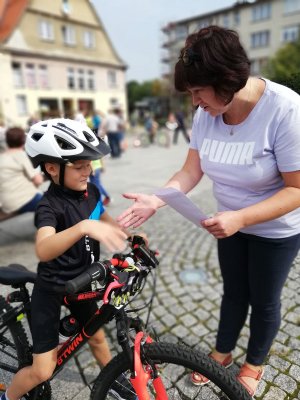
140	374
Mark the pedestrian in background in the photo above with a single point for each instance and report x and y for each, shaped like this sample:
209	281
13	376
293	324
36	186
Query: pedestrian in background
180	127
19	181
95	178
246	138
111	127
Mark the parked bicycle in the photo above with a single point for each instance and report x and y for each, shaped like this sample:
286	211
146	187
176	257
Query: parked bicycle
146	369
161	138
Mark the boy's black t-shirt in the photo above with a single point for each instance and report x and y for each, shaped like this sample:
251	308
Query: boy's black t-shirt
62	208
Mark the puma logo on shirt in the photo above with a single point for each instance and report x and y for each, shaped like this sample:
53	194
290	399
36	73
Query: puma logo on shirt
227	153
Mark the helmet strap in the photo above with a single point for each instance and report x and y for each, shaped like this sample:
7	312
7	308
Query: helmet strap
62	174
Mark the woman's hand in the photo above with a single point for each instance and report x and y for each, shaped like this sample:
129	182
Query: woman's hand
143	208
224	224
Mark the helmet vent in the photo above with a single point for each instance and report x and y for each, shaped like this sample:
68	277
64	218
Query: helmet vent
36	136
64	144
65	128
88	137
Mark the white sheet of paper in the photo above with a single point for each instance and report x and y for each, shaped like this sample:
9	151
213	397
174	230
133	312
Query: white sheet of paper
182	204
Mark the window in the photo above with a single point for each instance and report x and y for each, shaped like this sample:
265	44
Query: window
91	80
291	6
181	32
203	24
68	33
30	76
261	12
71	78
257	65
260	39
226	21
66	7
114	102
236	18
89	39
290	34
43	77
81	84
112	78
46	30
17	75
21	105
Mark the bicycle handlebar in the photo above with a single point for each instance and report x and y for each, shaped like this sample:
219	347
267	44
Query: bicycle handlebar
108	270
97	271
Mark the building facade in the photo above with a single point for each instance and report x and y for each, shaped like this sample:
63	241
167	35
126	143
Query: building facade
263	26
56	59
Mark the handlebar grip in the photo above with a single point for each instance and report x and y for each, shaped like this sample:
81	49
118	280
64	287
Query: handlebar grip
97	271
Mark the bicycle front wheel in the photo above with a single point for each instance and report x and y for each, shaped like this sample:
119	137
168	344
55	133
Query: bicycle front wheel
175	364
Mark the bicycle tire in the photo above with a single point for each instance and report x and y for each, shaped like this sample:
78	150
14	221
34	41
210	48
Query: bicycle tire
15	353
144	139
179	362
163	138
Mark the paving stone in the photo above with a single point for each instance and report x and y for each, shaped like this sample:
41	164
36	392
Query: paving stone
286	383
275	393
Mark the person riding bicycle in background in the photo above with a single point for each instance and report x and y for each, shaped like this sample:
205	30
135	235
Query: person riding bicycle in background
70	221
246	138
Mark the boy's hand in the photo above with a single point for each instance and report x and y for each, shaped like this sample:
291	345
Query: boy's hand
112	237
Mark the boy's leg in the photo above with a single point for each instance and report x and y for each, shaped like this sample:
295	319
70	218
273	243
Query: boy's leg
100	348
29	377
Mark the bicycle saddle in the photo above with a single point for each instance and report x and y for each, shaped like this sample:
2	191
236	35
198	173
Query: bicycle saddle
15	274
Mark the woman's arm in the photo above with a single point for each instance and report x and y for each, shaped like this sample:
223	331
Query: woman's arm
145	206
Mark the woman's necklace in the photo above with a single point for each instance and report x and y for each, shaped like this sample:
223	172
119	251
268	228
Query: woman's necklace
232	131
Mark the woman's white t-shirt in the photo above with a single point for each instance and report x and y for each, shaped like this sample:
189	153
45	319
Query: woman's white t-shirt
245	166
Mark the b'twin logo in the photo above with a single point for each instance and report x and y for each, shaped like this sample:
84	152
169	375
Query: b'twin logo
84	296
70	349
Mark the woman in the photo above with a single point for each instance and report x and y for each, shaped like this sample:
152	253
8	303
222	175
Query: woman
246	138
19	181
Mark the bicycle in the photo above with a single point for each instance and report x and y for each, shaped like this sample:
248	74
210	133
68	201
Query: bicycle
149	369
161	138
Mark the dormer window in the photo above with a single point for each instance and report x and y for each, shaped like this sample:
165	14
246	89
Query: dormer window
66	7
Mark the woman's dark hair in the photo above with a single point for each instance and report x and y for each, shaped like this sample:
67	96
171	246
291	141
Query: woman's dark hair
213	57
15	137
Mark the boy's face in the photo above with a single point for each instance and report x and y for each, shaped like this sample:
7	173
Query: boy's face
77	174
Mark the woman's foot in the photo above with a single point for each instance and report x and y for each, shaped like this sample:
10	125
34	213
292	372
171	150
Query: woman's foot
224	359
250	376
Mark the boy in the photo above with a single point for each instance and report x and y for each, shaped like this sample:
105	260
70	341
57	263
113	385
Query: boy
70	221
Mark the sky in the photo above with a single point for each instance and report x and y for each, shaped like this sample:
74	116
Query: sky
134	27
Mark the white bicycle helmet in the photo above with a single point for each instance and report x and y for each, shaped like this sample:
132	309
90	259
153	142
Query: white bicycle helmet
63	140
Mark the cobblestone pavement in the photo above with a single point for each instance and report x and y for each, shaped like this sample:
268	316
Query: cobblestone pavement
189	287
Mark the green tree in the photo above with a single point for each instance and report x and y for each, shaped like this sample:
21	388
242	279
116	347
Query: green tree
284	67
138	91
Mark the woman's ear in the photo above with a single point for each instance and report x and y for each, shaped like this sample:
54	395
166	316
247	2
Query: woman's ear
52	169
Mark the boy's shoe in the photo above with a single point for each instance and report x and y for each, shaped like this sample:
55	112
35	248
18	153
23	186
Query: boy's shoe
122	389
